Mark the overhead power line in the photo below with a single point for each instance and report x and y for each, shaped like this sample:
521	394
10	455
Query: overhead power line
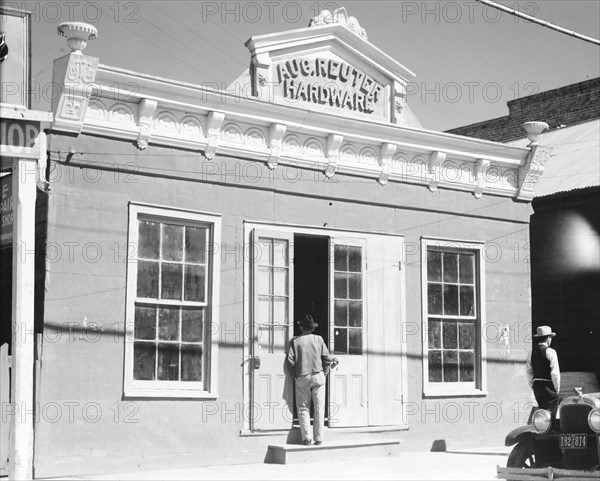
543	23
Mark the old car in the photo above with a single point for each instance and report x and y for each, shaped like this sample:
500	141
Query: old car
564	444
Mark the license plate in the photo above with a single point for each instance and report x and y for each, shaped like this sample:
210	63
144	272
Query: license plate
573	441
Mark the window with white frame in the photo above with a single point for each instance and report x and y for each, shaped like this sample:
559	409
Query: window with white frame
171	302
452	281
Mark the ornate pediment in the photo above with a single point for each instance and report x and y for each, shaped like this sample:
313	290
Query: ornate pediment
329	66
339	16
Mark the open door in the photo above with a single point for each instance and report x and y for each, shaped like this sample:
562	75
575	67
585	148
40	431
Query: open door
385	321
272	307
348	404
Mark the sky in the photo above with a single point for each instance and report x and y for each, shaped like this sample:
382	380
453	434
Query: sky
469	59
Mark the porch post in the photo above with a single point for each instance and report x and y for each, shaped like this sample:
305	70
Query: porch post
21	443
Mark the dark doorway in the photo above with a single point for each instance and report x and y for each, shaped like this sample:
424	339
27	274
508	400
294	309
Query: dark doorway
311	282
311	290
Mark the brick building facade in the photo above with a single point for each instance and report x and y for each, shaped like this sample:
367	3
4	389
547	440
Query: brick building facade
564	106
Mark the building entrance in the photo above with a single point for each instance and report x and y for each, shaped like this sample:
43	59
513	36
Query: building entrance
294	273
311	290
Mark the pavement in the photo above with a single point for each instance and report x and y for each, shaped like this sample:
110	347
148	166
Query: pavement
476	464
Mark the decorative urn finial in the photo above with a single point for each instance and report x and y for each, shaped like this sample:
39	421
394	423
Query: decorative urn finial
78	34
534	130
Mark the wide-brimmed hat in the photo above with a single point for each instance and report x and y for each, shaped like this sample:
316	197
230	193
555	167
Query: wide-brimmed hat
544	331
308	323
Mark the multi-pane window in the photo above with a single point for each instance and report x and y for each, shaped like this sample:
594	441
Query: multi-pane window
171	301
273	296
348	300
452	315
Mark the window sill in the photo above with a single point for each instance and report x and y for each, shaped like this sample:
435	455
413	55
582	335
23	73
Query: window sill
447	391
160	394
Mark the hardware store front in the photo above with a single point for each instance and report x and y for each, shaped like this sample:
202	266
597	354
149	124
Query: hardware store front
203	224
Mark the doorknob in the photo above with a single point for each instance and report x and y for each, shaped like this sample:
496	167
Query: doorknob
256	362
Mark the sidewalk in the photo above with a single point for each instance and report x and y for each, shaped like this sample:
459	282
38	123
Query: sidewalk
477	464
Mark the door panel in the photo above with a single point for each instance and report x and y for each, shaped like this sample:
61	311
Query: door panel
348	402
273	300
384	310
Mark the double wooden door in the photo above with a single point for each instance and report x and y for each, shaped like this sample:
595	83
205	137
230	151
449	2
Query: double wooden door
357	310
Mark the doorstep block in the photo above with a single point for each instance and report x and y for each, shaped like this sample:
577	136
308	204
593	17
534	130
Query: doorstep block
330	451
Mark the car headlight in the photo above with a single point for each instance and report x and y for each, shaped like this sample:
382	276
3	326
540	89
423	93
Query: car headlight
594	420
541	421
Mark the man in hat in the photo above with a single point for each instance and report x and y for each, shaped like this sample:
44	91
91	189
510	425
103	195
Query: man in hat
543	371
309	360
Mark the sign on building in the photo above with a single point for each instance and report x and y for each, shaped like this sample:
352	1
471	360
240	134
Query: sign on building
6	210
15	57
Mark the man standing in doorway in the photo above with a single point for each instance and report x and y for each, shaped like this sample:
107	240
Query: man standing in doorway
543	371
309	360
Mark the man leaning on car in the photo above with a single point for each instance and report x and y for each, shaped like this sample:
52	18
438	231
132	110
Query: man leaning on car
543	371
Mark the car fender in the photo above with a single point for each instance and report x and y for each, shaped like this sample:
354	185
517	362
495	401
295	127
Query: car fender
522	434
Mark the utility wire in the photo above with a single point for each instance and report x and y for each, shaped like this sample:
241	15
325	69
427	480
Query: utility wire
204	39
170	53
228	32
132	168
543	23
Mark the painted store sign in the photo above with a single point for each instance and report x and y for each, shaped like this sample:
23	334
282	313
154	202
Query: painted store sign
6	210
329	82
17	135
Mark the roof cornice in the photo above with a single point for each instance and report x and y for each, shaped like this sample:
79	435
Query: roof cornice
191	97
120	104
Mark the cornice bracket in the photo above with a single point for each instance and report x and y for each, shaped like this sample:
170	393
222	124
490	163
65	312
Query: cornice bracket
434	165
213	133
334	141
276	133
385	161
531	171
146	111
479	173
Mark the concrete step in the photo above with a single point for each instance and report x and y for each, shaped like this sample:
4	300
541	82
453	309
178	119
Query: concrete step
331	451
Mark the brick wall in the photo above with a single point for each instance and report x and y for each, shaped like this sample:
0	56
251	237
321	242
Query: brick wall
564	106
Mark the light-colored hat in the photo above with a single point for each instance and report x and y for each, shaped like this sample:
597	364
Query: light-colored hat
544	331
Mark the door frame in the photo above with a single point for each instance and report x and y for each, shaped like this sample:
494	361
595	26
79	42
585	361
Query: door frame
291	228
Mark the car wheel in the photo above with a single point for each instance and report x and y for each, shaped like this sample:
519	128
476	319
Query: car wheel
521	456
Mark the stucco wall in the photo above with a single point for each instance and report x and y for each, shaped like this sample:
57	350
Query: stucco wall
85	282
